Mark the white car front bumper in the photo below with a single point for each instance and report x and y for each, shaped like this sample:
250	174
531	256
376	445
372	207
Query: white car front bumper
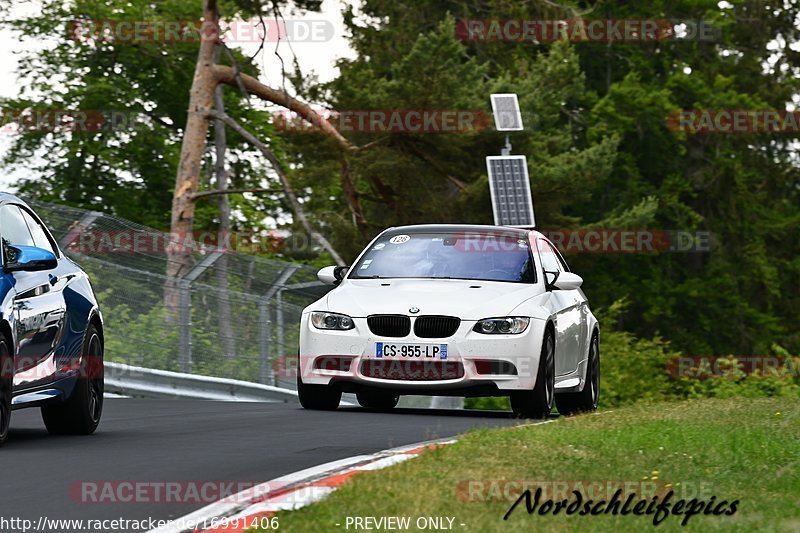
344	358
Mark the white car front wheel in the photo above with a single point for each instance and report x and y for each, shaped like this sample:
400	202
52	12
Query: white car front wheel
380	401
318	397
538	403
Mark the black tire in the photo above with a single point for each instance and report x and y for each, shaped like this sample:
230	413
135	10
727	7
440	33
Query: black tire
318	397
6	383
586	400
538	403
80	413
377	400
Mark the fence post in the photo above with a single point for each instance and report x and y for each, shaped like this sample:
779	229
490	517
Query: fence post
185	324
265	331
279	325
185	314
265	311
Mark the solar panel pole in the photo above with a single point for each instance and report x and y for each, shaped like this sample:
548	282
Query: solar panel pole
506	150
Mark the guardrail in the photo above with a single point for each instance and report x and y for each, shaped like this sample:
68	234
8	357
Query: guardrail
146	382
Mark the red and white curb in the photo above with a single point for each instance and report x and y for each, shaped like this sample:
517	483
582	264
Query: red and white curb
240	511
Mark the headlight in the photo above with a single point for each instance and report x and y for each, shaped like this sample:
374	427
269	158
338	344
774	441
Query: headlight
510	325
323	320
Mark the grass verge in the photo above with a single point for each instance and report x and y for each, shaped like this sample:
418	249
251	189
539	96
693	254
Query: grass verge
732	449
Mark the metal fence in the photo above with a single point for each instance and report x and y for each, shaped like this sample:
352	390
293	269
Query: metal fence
238	313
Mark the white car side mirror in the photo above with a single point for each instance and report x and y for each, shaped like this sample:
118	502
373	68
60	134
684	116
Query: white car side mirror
332	275
327	276
567	281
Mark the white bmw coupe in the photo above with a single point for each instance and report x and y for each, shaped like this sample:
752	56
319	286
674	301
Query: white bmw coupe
453	310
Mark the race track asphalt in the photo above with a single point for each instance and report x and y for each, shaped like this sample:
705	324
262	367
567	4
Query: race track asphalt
196	441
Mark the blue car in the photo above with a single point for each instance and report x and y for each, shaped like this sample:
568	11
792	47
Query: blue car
51	330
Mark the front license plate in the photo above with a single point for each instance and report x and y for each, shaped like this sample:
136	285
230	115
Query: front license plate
419	351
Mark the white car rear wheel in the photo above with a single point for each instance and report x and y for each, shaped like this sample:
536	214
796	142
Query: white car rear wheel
586	400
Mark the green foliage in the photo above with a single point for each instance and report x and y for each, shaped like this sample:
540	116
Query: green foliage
633	370
742	188
492	403
138	339
650	370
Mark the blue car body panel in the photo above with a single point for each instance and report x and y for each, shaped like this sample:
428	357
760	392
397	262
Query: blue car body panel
45	314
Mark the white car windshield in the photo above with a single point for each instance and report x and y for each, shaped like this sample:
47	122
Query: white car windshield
458	255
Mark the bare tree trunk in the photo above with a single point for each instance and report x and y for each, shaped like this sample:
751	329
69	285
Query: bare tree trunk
353	202
194	142
226	331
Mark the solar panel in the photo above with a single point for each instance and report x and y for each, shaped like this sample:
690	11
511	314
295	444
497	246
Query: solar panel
510	189
507	116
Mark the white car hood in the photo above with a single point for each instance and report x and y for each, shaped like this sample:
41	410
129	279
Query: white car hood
466	299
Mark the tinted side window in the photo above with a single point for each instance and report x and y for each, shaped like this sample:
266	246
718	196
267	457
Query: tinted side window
37	231
13	227
14	230
564	265
550	260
